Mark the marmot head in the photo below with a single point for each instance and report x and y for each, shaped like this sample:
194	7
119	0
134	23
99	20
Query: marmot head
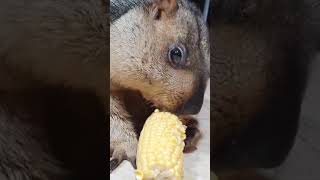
161	49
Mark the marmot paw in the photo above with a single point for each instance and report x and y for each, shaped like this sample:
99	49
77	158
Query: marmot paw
192	132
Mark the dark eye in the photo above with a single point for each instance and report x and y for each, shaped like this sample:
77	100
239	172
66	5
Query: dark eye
177	55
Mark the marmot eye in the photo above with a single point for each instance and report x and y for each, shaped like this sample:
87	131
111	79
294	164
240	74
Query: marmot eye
177	55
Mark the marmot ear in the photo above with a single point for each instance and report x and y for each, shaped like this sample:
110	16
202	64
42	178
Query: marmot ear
163	8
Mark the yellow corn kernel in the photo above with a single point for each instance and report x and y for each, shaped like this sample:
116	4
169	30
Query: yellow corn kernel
160	149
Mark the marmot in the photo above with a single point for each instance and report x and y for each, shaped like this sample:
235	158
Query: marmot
53	68
261	51
160	50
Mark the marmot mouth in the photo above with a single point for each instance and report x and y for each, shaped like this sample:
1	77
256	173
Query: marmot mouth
138	108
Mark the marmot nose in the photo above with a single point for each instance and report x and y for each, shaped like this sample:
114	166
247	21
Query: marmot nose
194	104
188	108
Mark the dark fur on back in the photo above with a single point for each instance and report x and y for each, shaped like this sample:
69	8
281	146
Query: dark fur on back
120	7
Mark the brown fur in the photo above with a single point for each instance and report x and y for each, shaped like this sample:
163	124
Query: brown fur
259	65
139	53
53	43
52	48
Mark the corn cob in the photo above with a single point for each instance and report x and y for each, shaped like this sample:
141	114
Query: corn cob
160	149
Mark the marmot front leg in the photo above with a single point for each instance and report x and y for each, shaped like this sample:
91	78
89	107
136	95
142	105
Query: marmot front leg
123	138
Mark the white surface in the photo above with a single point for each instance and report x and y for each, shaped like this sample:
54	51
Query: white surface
196	164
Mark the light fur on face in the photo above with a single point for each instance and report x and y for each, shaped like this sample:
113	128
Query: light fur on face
139	58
